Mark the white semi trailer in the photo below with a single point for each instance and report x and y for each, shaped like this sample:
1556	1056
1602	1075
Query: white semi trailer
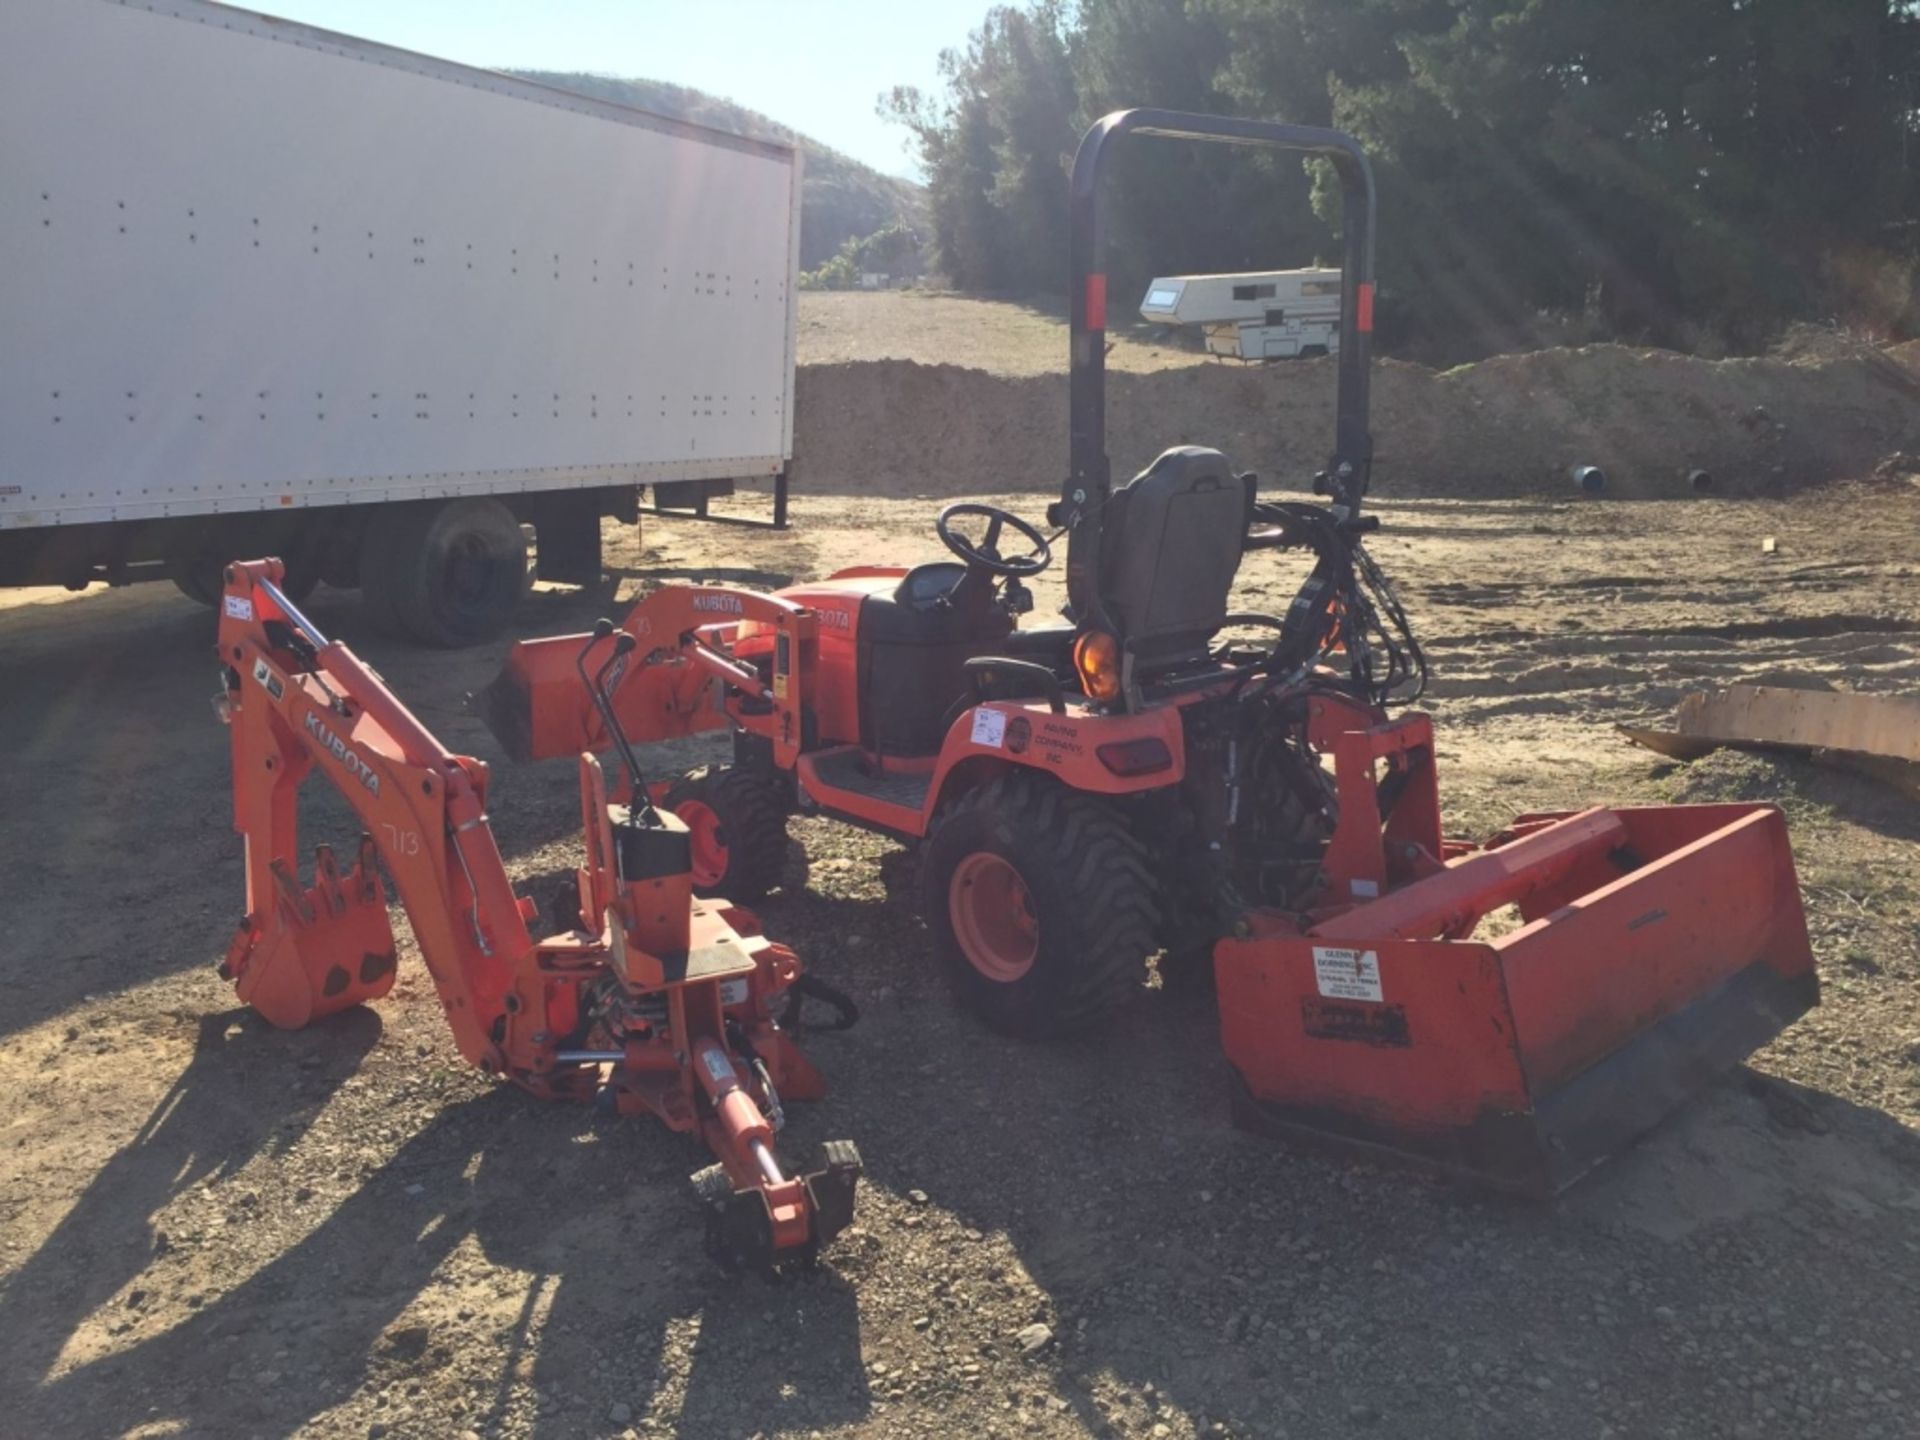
269	289
1263	315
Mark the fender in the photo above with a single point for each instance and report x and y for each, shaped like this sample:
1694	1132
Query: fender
1029	736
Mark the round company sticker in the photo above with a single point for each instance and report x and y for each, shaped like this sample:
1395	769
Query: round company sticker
1019	732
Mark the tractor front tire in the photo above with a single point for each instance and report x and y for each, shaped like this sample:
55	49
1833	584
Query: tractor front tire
1041	906
738	827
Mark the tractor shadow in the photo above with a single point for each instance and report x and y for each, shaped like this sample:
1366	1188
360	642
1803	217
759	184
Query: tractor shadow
1189	1270
116	801
572	1242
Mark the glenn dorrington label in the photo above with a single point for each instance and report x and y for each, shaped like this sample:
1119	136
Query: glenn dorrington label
1347	974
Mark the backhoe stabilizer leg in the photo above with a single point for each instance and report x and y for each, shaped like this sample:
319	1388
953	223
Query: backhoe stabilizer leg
765	1226
758	1216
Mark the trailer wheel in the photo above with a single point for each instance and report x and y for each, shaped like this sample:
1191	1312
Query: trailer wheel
447	573
738	828
1040	904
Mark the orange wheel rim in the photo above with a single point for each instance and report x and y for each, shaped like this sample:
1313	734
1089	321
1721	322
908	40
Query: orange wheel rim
703	831
993	919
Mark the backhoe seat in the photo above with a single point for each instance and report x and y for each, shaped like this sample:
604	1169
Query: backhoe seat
1171	542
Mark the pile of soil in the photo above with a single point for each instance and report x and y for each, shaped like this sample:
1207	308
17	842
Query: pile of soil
1507	427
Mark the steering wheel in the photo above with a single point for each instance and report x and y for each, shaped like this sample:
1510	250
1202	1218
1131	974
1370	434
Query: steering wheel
986	553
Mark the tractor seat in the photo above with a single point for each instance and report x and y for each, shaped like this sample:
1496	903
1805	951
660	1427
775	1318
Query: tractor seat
1170	547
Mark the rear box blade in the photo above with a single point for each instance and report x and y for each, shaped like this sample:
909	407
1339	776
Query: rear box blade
1526	1060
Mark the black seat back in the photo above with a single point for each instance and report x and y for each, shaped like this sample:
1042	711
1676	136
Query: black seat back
1169	547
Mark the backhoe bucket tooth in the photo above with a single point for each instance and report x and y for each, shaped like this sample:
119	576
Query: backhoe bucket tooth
323	949
1659	947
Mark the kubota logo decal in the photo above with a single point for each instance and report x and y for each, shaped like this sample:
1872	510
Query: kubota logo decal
729	603
337	748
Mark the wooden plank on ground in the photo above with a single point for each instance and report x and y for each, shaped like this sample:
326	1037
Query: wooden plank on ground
1665	742
1884	725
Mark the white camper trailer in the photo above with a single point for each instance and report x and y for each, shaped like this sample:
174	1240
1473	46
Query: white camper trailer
1265	315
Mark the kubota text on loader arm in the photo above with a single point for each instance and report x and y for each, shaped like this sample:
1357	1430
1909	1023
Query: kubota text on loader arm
648	1000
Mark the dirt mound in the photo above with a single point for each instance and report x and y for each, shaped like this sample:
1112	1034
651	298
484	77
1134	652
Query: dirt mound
1742	776
1506	427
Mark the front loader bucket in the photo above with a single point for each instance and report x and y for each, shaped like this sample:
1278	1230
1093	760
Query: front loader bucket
1659	947
536	706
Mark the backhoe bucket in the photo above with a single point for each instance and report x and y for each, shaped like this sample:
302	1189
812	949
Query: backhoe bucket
1659	947
322	949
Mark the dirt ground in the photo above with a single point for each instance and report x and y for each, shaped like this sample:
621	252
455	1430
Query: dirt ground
210	1228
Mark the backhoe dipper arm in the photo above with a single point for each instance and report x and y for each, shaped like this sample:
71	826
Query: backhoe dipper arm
298	702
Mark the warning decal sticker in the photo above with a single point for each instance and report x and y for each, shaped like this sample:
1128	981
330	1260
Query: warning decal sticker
989	727
1347	974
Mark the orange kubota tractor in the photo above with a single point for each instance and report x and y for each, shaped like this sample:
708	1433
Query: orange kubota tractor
645	1000
1085	794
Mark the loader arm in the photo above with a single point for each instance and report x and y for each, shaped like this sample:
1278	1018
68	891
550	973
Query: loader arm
649	1001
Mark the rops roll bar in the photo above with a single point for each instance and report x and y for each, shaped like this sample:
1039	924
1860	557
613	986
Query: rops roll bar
1089	479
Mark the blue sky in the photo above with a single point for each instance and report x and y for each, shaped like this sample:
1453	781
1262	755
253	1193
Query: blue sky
816	65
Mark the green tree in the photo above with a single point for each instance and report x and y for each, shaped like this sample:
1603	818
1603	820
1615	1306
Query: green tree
1687	171
996	148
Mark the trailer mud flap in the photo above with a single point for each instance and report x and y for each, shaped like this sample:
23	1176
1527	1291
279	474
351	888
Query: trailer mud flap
1640	972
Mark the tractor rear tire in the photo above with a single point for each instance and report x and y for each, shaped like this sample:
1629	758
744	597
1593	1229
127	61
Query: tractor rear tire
447	573
739	830
1041	906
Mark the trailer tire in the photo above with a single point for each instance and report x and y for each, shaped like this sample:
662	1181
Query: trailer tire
1041	906
378	568
739	830
446	573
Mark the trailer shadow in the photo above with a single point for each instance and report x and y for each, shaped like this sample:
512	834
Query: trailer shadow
113	773
494	1196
